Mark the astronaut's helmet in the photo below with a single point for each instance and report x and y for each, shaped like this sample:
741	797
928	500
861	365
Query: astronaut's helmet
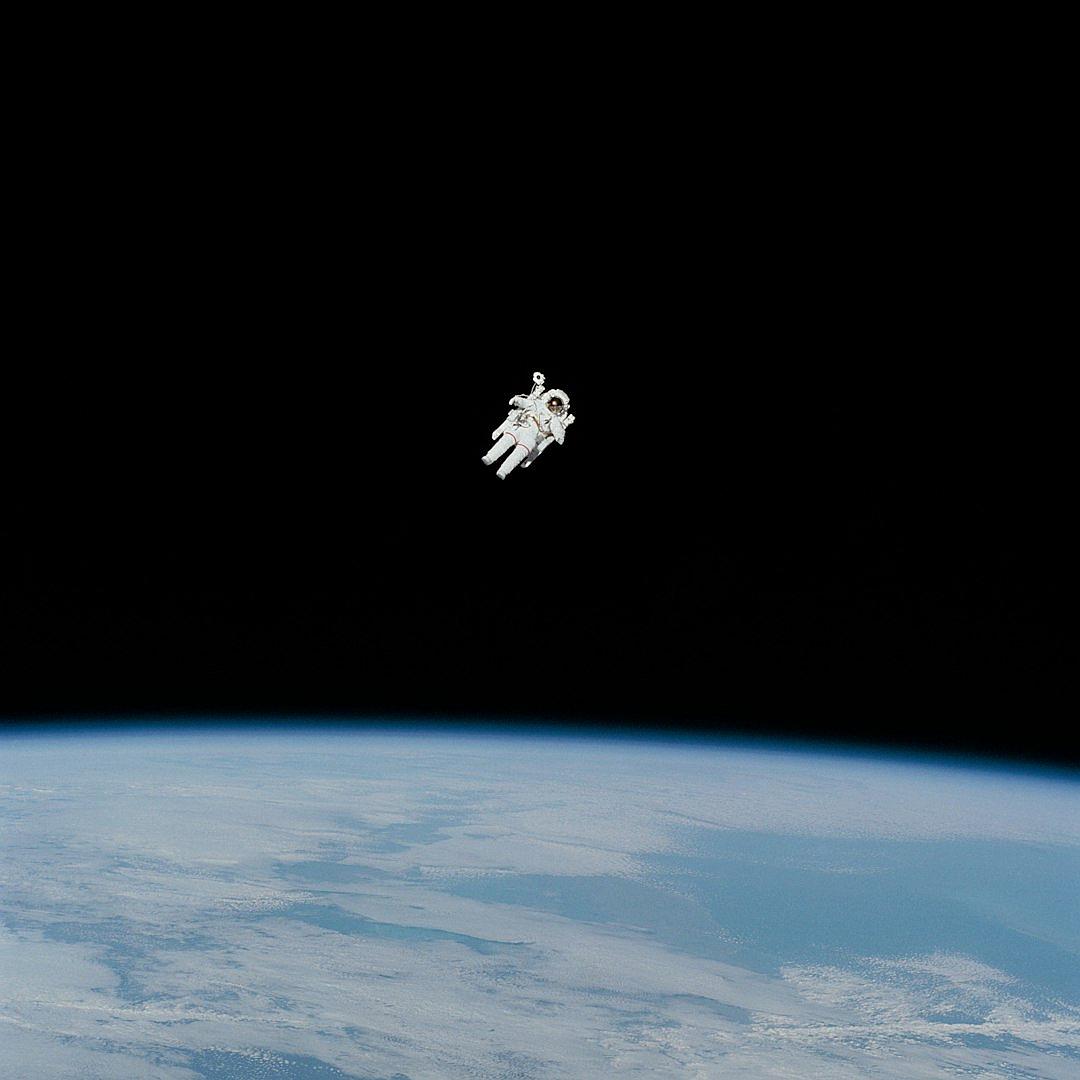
557	401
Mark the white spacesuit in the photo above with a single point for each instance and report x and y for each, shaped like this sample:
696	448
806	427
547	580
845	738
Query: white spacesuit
531	426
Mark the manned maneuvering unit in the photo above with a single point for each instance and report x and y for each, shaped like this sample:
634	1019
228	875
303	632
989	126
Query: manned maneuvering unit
534	422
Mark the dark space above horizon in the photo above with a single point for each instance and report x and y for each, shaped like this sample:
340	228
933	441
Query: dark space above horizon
826	557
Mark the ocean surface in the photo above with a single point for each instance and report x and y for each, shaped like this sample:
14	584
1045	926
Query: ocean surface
244	903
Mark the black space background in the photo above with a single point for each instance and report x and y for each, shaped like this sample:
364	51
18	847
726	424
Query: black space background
813	488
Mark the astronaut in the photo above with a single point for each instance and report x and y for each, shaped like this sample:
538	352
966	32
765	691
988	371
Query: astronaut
535	421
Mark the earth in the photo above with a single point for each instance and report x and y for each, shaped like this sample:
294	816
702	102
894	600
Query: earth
267	903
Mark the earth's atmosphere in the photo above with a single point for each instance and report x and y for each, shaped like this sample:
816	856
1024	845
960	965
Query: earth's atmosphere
252	904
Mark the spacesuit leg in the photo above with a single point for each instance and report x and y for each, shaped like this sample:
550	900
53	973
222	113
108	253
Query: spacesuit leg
499	449
540	447
520	453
